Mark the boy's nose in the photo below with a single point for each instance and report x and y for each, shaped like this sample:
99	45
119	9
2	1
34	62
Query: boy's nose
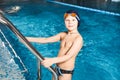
70	21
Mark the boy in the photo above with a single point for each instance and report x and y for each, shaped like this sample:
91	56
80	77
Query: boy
71	43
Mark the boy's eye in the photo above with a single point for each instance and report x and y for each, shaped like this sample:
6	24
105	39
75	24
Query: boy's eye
73	20
67	20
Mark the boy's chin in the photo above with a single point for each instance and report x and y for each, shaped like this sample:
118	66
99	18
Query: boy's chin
70	29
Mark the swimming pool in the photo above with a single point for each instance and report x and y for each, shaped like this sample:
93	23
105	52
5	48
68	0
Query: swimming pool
99	57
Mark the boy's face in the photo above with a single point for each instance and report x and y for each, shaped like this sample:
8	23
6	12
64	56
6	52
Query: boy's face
71	22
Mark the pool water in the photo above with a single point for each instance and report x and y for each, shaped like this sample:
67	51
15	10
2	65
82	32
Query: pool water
100	55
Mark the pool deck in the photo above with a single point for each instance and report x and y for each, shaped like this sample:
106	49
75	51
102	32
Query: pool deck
9	70
106	5
85	8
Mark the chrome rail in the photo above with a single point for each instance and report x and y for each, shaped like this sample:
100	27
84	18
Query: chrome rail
5	21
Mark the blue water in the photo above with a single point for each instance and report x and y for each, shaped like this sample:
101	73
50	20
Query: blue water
100	55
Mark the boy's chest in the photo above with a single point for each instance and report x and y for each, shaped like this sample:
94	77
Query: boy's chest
67	41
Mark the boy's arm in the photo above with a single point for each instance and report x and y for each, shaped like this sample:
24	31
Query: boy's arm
77	45
45	40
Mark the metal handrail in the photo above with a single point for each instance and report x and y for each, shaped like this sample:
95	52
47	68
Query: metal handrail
5	21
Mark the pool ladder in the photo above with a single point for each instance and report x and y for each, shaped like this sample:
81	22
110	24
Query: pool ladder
6	22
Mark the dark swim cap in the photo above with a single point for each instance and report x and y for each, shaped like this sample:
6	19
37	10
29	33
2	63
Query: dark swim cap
75	14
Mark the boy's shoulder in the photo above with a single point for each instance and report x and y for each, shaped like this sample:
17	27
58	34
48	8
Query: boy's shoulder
63	33
79	38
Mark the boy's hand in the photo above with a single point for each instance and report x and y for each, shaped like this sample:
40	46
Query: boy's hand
47	62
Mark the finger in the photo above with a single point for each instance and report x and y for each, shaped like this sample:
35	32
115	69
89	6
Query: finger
43	62
46	66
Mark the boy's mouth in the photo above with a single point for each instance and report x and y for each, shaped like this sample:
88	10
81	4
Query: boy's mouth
70	25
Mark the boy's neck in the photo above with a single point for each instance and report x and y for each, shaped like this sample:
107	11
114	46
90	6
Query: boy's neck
73	32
